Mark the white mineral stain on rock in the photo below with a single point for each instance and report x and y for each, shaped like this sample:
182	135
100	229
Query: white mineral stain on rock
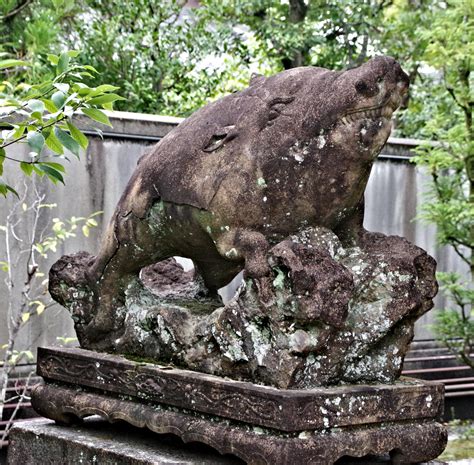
232	253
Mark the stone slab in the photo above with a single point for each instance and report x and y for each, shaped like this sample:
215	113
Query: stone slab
98	442
281	409
407	442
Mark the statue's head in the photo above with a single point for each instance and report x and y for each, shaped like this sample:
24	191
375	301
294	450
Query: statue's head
322	108
315	107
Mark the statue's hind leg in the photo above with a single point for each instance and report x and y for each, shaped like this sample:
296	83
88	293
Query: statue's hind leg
129	245
93	288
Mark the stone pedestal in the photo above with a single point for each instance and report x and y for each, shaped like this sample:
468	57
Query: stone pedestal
97	442
258	424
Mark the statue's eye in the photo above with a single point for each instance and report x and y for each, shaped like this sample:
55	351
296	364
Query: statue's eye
361	87
276	108
367	89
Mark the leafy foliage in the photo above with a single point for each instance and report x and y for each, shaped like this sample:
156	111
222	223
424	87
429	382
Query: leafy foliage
41	115
455	326
450	205
169	58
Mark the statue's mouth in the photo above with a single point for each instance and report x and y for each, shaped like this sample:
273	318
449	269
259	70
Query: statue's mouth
375	112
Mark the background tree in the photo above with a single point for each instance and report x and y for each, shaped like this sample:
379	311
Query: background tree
450	50
171	59
40	115
168	58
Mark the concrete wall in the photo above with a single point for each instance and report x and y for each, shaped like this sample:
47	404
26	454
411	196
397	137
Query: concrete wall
95	183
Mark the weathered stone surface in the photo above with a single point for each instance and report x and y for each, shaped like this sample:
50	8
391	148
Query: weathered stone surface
326	314
239	176
97	442
285	410
406	441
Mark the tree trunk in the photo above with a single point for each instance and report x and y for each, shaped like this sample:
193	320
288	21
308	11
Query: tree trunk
298	11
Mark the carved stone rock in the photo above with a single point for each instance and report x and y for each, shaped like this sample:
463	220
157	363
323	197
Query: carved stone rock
326	314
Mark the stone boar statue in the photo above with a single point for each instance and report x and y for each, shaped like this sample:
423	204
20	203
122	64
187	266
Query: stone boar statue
291	151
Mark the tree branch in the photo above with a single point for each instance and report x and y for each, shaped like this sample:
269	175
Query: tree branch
15	11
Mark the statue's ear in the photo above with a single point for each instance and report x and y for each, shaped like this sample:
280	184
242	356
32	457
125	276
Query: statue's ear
256	78
219	138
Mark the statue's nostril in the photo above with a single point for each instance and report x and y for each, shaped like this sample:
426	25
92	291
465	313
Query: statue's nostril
361	87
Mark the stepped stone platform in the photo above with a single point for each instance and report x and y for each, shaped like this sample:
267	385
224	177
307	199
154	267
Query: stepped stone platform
258	424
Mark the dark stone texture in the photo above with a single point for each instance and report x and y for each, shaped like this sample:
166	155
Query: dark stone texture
97	442
407	441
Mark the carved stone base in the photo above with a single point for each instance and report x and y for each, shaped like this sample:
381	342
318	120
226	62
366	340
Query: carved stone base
261	425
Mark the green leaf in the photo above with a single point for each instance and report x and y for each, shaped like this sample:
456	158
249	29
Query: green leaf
59	98
52	174
50	106
73	53
35	140
37	116
91	68
97	115
5	188
67	141
19	132
63	63
105	88
107	98
84	91
62	86
53	143
40	308
27	168
10	63
56	166
53	59
77	135
36	106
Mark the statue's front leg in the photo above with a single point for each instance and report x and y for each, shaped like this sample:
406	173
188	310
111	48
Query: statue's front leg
351	231
250	246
